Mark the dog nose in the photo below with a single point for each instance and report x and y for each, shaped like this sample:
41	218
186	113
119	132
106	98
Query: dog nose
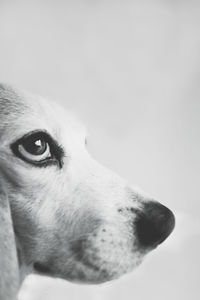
154	224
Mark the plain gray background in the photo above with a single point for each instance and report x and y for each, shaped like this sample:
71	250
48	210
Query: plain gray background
130	69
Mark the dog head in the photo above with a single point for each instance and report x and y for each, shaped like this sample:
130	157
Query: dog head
72	217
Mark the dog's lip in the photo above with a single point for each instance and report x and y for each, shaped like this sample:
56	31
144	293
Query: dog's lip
41	268
99	276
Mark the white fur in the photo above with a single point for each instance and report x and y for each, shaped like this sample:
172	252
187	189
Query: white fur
66	218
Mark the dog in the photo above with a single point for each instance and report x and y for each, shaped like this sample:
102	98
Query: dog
63	214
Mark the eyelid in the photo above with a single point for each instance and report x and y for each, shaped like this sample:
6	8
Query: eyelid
57	149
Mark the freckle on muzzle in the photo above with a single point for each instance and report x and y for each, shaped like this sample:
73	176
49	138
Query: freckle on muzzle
154	224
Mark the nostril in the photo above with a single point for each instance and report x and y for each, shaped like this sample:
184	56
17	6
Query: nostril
154	224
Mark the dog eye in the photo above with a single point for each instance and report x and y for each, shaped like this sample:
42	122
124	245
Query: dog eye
38	148
35	149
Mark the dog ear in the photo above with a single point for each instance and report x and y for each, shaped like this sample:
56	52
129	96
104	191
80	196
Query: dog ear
9	274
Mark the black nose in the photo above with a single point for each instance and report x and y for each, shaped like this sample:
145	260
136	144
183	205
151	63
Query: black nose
154	224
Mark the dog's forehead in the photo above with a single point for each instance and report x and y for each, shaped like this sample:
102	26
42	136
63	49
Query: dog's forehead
21	112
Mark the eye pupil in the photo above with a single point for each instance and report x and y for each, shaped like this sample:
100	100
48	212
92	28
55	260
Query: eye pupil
35	147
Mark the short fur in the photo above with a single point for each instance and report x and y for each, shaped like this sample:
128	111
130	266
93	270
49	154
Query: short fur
77	222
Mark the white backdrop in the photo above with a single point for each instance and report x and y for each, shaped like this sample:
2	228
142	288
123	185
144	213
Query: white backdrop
130	69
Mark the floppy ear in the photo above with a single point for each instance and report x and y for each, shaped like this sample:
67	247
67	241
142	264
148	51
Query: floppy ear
9	276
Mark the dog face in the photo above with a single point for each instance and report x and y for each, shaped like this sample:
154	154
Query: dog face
72	217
